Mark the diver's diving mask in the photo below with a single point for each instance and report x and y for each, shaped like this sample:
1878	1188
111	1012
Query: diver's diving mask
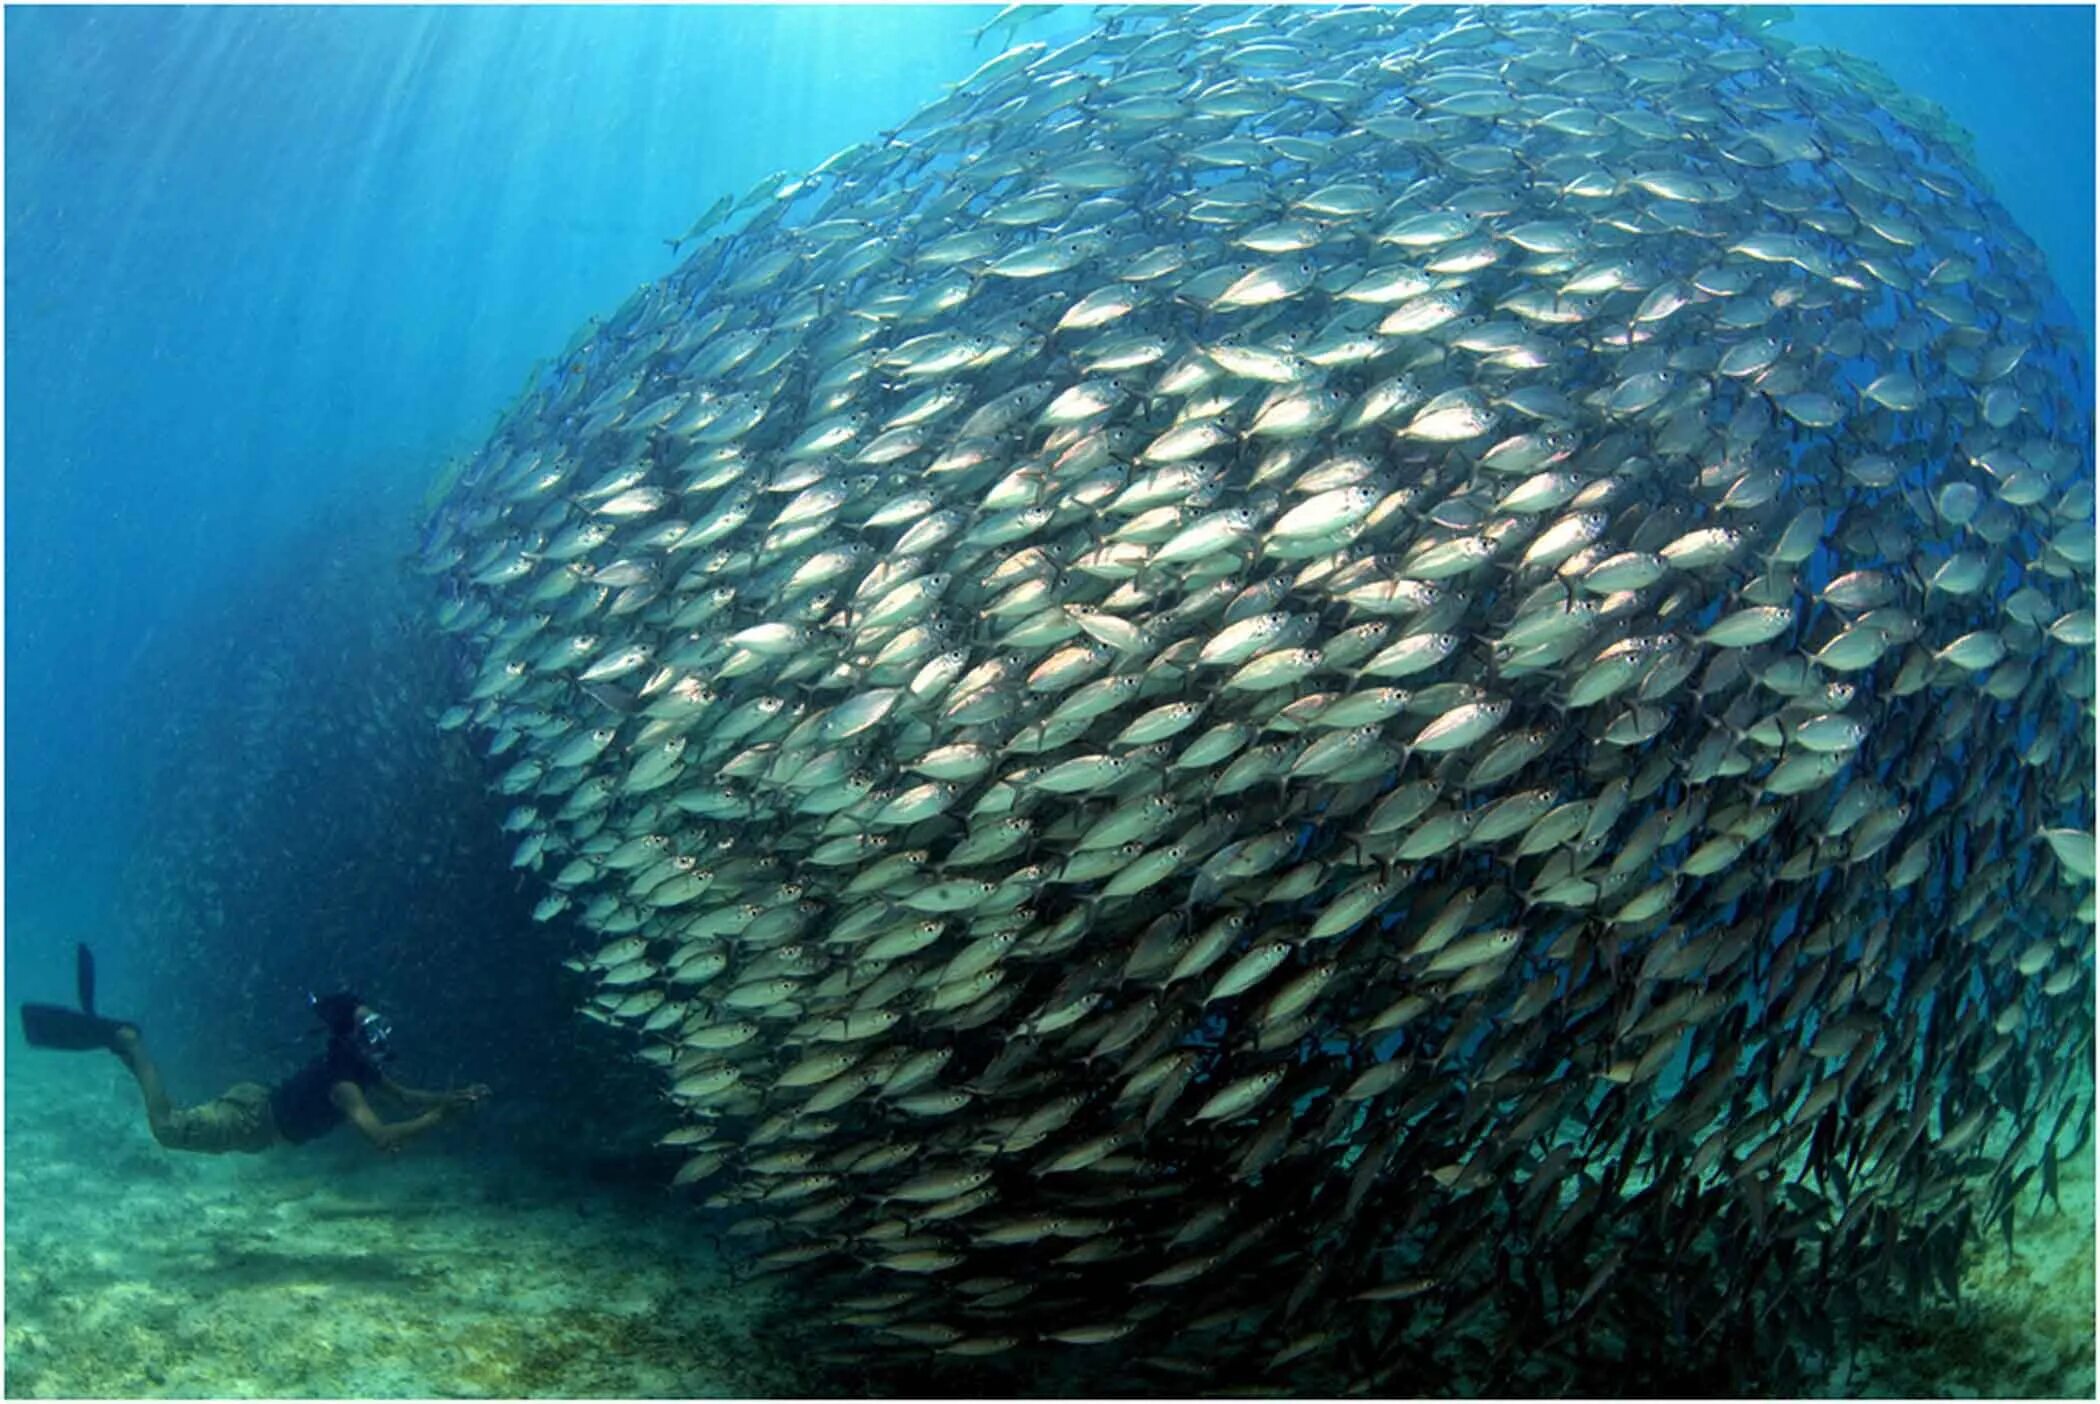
373	1031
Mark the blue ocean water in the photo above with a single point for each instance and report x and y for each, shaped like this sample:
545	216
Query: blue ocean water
270	269
2019	79
264	262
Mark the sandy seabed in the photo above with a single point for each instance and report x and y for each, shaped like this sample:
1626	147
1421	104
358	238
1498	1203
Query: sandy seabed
328	1271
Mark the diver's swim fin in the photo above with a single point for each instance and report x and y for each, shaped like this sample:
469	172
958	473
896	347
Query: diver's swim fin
55	1026
72	1030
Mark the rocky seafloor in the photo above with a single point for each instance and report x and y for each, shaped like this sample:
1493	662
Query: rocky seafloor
453	1271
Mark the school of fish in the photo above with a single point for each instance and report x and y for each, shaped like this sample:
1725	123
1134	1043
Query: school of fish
1370	700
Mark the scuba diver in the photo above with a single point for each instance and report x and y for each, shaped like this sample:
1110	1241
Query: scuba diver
249	1117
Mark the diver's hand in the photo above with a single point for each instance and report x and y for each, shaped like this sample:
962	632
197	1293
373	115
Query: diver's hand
467	1096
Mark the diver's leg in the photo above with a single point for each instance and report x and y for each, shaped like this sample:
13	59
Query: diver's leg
159	1110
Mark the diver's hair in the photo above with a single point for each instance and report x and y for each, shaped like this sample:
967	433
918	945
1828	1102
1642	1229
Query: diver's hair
338	1012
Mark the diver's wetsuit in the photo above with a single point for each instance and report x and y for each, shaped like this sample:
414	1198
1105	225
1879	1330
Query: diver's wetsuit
303	1105
250	1117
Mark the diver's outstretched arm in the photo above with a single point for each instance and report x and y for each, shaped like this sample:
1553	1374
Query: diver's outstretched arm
386	1136
418	1097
